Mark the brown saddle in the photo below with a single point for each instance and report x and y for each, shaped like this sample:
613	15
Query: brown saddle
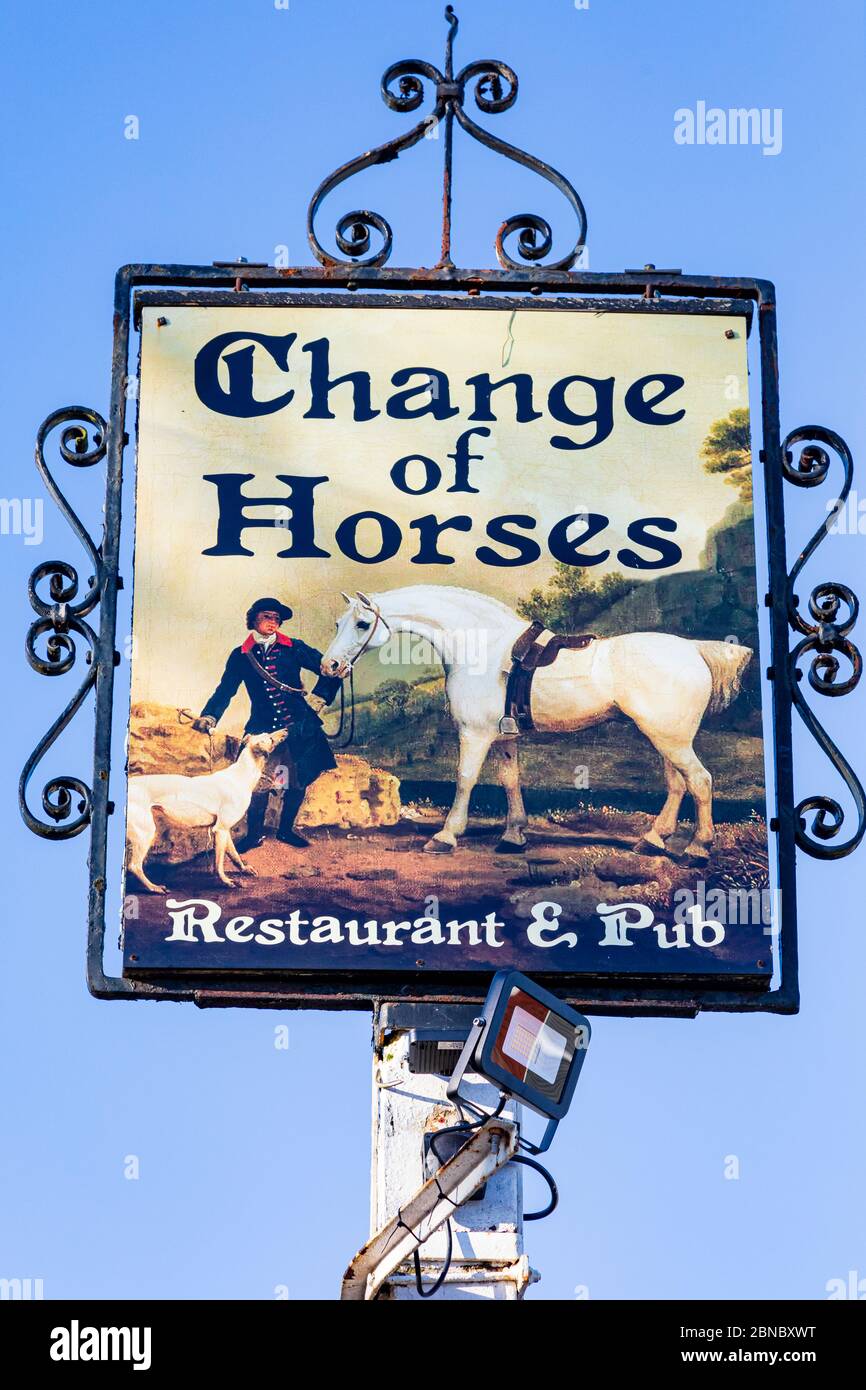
527	654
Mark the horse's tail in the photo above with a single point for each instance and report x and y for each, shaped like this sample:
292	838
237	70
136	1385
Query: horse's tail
726	661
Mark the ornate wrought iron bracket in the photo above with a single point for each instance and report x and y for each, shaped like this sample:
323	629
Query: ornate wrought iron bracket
495	90
83	442
827	637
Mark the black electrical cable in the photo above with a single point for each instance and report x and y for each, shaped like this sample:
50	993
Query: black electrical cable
463	1128
466	1126
461	1102
548	1178
443	1273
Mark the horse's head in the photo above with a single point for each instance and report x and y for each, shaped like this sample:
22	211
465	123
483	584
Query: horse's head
360	627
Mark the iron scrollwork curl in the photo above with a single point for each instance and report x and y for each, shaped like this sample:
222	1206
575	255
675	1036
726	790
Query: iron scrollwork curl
60	617
832	612
534	233
495	90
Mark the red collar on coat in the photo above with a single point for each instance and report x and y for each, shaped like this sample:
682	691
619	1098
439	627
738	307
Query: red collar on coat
251	641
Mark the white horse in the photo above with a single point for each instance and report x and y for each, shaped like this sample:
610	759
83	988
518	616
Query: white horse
665	684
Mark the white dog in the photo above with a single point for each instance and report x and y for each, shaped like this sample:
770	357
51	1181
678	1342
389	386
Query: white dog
215	801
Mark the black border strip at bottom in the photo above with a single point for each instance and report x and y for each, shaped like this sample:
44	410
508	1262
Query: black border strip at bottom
227	1336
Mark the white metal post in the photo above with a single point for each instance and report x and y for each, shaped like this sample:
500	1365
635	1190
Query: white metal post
488	1259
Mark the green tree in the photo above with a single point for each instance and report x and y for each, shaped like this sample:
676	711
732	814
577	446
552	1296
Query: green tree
573	598
727	449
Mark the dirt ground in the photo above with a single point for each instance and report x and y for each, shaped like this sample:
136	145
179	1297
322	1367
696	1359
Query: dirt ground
385	872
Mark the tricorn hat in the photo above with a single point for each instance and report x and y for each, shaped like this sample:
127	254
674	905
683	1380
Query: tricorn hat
269	605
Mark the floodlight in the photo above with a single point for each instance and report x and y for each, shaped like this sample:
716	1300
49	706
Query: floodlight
529	1044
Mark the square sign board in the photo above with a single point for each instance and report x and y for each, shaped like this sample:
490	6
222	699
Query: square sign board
357	522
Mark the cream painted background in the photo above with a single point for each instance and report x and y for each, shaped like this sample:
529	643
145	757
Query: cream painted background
189	607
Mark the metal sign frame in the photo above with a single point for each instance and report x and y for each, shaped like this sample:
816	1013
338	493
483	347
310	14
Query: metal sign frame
86	439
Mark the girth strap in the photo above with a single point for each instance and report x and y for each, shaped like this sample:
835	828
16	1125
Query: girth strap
528	653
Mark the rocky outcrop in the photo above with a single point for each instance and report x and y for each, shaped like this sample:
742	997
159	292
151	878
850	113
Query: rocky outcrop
712	603
352	795
159	742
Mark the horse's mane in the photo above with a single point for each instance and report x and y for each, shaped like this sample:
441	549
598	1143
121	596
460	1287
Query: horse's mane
447	590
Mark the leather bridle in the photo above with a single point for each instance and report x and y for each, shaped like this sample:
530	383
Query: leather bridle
370	635
337	738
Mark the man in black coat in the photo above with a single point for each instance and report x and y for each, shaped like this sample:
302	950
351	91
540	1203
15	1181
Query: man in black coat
269	665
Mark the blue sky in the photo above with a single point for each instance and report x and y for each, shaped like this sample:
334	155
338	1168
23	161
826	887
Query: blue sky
254	1161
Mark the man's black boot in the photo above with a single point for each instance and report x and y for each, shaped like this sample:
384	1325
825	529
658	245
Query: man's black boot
292	798
255	831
